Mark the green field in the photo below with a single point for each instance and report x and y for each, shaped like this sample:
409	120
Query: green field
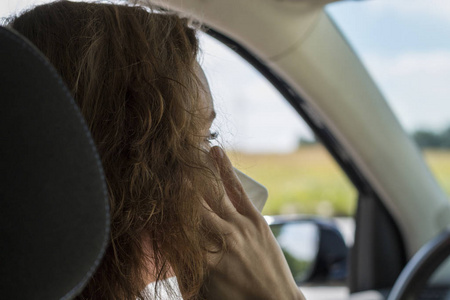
308	181
439	163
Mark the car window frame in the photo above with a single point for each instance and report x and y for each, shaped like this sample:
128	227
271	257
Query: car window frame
364	271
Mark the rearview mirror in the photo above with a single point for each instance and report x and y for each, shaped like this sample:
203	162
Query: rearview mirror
314	249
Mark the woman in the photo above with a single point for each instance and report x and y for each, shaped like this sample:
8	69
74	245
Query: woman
177	208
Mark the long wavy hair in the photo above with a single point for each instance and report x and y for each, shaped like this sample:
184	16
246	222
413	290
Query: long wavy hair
133	74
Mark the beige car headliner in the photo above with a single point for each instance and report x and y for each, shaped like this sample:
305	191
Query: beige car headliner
299	42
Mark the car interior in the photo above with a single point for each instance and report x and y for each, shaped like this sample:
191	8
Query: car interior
54	207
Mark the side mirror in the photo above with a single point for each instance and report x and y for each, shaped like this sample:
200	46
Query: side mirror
314	249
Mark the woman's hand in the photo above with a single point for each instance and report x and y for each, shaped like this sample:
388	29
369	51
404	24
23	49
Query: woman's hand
253	265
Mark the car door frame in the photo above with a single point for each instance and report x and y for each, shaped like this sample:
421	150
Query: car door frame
378	254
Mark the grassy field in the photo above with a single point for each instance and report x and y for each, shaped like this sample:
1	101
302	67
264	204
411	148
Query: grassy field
439	163
309	181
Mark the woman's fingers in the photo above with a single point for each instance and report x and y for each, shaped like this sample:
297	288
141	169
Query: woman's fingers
209	215
233	187
216	197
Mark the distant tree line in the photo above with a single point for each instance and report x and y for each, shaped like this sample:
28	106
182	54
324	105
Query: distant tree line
432	139
424	139
307	142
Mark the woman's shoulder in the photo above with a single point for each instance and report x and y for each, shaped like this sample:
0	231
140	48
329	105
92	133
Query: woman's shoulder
165	289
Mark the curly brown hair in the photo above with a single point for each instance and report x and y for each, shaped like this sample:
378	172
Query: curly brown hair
133	74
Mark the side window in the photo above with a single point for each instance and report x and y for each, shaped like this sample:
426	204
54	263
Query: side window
266	139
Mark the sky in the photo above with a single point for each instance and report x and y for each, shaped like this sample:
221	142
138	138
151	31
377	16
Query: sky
251	115
404	44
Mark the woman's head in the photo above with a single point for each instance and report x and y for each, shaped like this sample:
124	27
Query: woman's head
135	78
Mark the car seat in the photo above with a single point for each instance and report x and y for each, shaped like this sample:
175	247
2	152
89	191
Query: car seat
54	213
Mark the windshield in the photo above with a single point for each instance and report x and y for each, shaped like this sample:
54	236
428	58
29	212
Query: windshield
405	46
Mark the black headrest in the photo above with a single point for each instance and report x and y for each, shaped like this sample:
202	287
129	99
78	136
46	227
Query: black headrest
54	213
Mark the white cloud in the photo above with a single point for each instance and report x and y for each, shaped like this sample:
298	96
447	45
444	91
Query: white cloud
432	8
435	63
416	85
